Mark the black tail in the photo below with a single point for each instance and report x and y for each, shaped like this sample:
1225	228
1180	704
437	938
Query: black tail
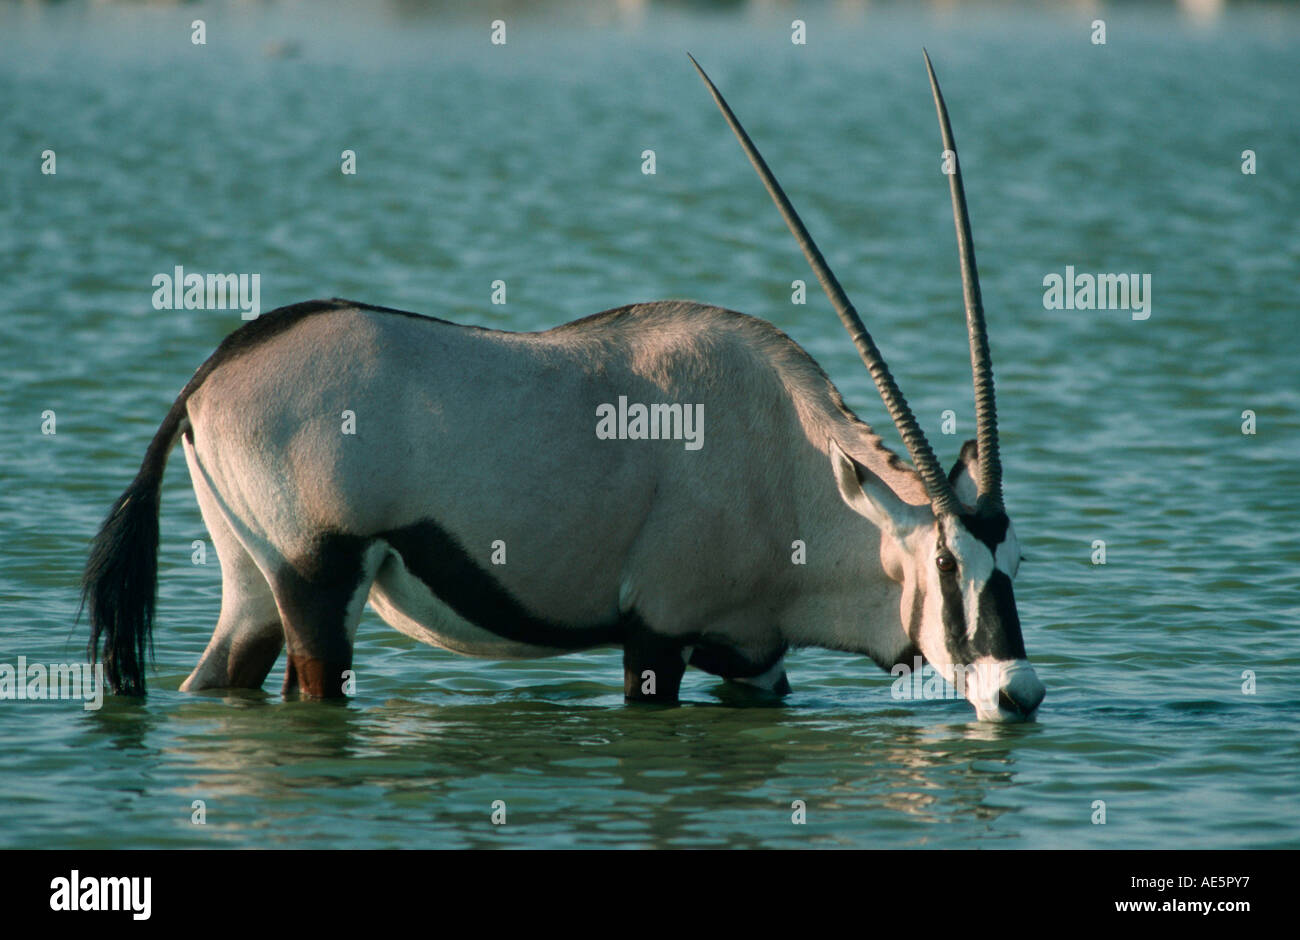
120	583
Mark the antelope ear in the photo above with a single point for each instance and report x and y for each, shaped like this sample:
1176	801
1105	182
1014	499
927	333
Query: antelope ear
869	496
964	472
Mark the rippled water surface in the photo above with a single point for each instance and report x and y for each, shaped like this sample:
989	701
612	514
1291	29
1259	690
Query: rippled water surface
523	162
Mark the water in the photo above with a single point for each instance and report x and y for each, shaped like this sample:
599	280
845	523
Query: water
523	163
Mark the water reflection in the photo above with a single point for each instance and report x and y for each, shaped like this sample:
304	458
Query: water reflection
589	771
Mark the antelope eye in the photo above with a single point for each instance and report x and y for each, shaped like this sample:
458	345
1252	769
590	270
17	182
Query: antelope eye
946	562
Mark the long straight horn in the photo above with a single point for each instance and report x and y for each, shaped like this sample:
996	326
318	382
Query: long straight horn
986	412
936	483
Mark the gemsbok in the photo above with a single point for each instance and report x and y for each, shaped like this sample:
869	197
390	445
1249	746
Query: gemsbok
470	496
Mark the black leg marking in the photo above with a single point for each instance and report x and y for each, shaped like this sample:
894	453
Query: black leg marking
290	686
251	660
314	595
652	666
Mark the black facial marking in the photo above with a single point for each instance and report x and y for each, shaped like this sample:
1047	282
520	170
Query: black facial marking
997	604
917	619
996	600
989	529
954	612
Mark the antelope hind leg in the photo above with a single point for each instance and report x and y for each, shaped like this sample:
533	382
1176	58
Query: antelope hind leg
248	636
320	598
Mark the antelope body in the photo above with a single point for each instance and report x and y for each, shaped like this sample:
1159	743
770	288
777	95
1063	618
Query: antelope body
472	503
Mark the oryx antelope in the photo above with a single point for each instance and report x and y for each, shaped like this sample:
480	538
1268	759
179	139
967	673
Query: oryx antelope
477	510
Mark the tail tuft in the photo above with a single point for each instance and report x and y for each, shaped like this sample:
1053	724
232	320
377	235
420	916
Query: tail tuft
120	585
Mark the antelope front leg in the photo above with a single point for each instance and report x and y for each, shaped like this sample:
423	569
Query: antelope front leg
652	667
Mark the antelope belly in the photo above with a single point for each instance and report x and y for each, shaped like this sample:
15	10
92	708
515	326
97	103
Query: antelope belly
407	605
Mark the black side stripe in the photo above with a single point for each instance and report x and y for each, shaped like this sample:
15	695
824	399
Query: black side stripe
437	558
721	659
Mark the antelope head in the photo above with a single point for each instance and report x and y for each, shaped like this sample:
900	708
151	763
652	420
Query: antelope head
956	556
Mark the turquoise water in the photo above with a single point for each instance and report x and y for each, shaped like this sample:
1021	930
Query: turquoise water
523	162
